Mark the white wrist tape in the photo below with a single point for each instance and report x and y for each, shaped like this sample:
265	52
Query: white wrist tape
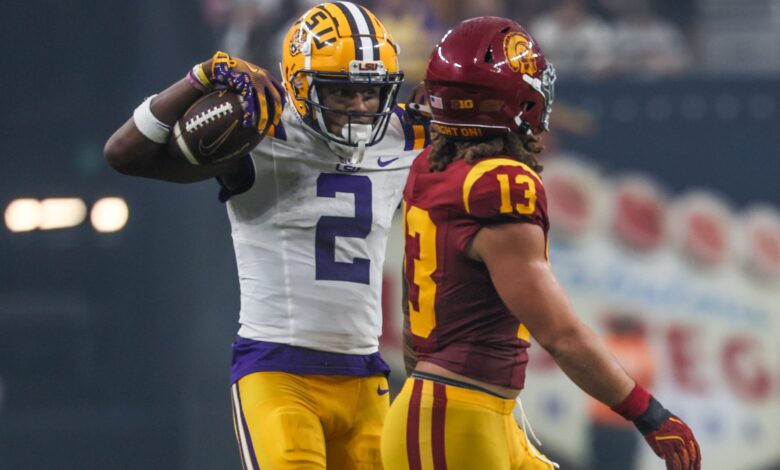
148	124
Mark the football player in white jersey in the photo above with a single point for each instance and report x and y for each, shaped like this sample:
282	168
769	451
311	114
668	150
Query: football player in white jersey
310	209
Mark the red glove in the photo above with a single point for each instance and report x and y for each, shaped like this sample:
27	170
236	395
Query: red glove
673	441
668	436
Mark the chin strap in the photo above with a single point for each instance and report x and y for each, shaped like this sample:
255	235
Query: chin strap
357	155
359	134
347	154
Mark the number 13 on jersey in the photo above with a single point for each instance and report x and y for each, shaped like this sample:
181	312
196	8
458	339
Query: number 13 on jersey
419	227
506	191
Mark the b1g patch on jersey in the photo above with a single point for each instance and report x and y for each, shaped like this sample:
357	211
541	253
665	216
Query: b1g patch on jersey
505	189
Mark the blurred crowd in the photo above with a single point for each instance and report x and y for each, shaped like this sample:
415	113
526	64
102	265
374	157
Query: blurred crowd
585	39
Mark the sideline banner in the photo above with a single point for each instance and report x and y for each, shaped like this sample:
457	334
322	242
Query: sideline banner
679	268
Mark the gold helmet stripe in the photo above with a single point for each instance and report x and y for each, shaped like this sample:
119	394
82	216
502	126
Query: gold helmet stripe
362	29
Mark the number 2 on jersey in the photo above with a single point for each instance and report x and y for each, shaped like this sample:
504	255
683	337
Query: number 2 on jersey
330	227
423	318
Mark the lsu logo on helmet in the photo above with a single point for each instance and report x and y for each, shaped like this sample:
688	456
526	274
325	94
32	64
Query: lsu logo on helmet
299	40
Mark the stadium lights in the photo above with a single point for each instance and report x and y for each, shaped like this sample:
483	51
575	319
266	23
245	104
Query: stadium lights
23	215
62	213
109	214
26	214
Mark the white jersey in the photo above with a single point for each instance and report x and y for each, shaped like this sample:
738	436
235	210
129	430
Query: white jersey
310	236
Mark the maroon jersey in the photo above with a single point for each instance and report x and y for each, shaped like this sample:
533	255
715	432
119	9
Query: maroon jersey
457	319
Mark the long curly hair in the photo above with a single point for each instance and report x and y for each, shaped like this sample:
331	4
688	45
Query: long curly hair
523	148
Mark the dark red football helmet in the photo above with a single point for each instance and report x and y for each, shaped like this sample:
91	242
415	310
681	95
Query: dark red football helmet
488	77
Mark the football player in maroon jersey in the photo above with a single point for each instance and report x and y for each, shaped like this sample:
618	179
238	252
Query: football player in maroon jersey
478	279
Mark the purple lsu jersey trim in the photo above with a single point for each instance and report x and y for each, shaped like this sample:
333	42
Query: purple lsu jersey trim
416	136
261	356
278	132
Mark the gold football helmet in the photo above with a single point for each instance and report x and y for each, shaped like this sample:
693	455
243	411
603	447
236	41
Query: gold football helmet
331	44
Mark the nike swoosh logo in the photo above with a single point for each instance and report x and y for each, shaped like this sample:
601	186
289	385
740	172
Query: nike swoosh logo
206	150
381	391
243	150
384	163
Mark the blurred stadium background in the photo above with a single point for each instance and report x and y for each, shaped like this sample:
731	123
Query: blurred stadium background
119	300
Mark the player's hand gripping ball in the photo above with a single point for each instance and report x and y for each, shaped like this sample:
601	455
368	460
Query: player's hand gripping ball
261	93
230	121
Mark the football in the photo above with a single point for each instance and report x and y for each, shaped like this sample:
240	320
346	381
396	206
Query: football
210	131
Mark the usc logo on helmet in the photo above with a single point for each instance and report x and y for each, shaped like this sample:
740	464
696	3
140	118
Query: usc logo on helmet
518	49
